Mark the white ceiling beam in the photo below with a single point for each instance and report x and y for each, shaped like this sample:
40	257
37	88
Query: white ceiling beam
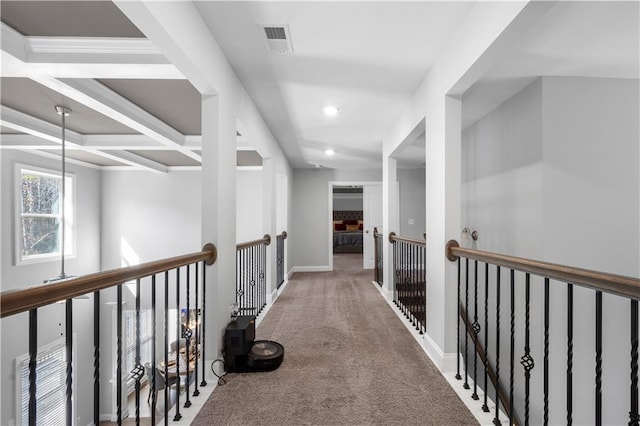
134	160
107	102
67	160
25	142
41	129
82	57
25	123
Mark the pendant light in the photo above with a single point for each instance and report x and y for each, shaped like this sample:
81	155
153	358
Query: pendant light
64	112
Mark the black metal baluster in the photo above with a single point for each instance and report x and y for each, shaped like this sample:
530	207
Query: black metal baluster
466	334
634	417
203	321
69	345
512	346
196	392
187	336
496	419
152	388
527	360
598	420
166	347
569	354
546	352
177	416
119	354
458	376
96	357
137	362
485	407
33	357
476	329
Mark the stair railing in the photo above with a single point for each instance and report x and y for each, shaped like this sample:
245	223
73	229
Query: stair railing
251	276
378	240
410	278
520	272
280	259
147	276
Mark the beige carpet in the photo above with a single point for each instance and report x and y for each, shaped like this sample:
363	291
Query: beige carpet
348	361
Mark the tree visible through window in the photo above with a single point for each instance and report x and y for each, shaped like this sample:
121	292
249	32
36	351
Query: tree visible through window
41	213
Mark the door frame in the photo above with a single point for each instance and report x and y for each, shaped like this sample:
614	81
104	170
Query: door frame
329	220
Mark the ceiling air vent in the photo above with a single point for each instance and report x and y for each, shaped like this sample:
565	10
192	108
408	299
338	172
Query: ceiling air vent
277	38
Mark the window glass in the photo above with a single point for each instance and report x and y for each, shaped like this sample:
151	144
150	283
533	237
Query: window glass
41	213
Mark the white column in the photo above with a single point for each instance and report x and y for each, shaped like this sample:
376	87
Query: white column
443	140
269	221
389	219
218	214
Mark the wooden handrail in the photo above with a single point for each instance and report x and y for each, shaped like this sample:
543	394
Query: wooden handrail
614	284
504	399
16	301
266	240
393	238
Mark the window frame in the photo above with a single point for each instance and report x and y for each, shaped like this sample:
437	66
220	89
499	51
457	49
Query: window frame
47	348
70	215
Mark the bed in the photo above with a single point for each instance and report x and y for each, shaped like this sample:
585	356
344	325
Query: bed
347	231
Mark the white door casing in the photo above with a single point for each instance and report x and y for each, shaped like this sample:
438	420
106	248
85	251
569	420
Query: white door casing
372	215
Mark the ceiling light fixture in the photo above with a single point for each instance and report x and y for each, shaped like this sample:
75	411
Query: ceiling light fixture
329	152
330	110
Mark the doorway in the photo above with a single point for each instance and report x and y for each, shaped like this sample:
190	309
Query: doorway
355	209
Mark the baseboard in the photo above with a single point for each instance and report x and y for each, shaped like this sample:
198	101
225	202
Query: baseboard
309	269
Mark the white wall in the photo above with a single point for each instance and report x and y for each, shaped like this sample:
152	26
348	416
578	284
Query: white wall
249	207
146	216
552	174
412	203
50	319
310	215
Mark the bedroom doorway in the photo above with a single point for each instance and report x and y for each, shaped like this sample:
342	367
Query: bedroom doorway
355	208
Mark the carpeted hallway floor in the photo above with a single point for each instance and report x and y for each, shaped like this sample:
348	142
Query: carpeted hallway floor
348	361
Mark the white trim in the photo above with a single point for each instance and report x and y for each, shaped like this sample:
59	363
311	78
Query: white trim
94	45
248	168
309	269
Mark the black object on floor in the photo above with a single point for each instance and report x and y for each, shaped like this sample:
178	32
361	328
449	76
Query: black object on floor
243	354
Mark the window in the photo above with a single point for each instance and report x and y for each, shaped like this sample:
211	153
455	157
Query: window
40	214
51	365
129	324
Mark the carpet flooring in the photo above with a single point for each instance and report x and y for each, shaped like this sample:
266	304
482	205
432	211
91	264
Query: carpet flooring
348	360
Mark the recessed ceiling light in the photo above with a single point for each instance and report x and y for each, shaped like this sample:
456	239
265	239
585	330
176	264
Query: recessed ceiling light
330	110
329	152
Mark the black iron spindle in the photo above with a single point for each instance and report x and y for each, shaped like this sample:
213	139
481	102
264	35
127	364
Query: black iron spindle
196	392
458	376
496	419
569	354
466	334
203	383
137	357
187	336
598	396
177	416
119	354
96	357
33	357
512	346
69	346
166	347
527	360
476	329
634	417
485	407
152	388
546	352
